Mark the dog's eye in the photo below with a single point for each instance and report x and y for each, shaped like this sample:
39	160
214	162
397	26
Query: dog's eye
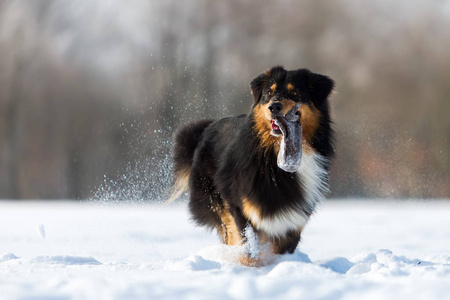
294	93
270	92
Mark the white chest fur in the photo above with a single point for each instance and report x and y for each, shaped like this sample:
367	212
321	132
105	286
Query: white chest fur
313	178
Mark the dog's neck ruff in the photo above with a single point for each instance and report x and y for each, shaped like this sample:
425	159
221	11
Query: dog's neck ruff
312	175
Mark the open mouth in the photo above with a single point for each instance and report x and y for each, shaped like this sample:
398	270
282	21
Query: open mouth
276	130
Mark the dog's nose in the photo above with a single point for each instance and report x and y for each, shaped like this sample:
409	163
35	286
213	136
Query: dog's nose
275	107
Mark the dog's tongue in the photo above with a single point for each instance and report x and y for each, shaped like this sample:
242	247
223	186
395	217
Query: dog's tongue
290	154
275	126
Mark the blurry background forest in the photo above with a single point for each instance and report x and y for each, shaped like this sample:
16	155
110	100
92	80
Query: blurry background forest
91	91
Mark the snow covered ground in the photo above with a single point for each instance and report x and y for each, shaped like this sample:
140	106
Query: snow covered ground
350	250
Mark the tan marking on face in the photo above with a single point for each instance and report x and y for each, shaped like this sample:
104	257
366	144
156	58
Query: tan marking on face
273	87
290	87
263	128
309	118
287	105
229	231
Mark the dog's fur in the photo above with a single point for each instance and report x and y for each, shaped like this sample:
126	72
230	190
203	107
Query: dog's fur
230	165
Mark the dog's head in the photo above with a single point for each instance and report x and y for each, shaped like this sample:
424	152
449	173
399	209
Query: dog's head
277	91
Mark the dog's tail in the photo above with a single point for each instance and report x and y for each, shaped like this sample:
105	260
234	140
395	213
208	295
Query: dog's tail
186	140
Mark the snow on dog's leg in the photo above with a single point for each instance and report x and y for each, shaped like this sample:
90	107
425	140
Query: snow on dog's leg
251	256
290	154
252	244
257	252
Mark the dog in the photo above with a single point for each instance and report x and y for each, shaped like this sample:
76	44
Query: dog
260	176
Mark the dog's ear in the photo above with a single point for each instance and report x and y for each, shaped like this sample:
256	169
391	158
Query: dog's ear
258	83
320	87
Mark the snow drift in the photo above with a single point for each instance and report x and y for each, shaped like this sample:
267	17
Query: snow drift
349	250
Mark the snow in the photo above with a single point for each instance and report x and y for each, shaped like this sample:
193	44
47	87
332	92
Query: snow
349	250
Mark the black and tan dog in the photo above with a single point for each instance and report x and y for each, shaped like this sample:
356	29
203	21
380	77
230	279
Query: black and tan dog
261	173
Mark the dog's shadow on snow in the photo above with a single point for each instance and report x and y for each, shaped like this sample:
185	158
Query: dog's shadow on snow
338	264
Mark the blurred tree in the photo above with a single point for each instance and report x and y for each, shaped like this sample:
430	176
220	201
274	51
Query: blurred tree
95	88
